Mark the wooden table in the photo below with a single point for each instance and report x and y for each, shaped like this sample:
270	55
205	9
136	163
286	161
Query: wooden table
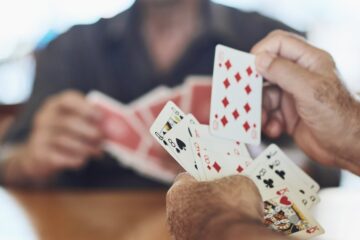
90	215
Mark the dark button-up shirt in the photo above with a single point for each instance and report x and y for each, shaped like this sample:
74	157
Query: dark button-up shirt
111	56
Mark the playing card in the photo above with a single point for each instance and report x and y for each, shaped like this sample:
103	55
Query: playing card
198	97
125	140
271	171
282	166
220	157
170	116
141	105
179	142
236	96
143	164
118	124
157	103
284	213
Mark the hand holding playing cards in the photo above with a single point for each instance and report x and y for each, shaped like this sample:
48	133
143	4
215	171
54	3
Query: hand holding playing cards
222	209
64	136
313	106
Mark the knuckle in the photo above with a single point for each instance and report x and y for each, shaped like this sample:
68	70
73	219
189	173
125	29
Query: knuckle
68	96
278	33
326	56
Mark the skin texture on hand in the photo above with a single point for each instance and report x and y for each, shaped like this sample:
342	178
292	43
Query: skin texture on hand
308	100
222	209
65	134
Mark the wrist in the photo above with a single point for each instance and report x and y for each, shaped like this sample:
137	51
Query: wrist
348	152
17	169
223	224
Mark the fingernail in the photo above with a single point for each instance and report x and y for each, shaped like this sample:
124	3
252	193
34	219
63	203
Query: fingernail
264	60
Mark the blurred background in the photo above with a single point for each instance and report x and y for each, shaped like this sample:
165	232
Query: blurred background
29	25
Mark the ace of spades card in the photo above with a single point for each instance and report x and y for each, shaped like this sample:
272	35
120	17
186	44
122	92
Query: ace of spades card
236	96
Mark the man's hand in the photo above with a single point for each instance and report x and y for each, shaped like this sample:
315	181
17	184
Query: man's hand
310	102
64	135
228	208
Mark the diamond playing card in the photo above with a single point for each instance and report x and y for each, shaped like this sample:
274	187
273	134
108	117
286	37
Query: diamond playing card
236	96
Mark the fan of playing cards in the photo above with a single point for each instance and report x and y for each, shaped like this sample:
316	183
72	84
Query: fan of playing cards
218	150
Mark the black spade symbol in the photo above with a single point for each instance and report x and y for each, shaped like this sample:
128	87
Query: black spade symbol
165	143
268	156
302	191
181	144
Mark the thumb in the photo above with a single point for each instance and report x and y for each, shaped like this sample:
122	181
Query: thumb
184	178
288	75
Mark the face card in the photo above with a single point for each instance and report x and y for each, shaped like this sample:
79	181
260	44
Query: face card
236	97
179	142
283	213
270	171
119	124
169	117
198	89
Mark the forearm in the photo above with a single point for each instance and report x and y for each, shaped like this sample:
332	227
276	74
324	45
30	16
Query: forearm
15	169
350	149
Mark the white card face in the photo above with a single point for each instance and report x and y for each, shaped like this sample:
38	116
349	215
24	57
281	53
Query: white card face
283	167
168	118
284	213
231	153
179	141
220	157
270	171
236	97
200	151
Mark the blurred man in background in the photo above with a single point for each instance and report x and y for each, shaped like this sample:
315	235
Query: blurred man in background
313	107
56	139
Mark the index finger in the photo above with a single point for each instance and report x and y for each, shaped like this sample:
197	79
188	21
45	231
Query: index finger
75	102
289	46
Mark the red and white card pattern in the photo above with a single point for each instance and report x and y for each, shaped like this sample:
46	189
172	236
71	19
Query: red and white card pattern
195	149
123	131
236	96
134	147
